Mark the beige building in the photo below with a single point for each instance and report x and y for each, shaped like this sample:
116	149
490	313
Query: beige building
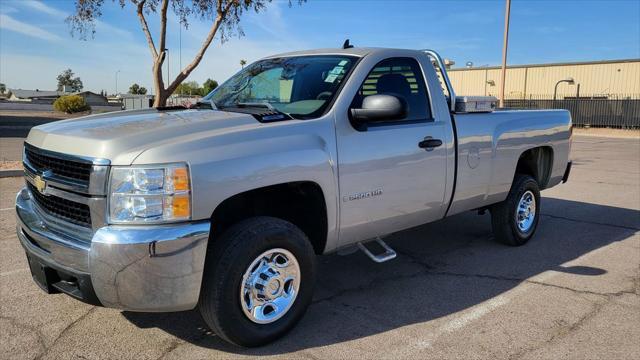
595	78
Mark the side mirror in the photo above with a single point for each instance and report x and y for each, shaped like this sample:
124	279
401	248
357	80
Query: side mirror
380	108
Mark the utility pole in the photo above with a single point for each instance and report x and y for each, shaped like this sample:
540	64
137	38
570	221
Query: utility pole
180	39
168	68
166	51
116	94
503	72
180	45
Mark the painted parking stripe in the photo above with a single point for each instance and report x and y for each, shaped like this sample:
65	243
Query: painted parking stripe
479	311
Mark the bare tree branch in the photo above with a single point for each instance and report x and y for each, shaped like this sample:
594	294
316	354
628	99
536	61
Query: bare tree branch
224	16
184	73
163	26
222	13
145	29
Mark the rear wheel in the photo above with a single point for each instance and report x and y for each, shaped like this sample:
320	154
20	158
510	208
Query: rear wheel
258	281
514	221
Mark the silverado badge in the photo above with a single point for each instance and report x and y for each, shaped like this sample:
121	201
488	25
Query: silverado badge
39	183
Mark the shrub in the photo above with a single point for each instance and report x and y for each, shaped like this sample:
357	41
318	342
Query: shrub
71	104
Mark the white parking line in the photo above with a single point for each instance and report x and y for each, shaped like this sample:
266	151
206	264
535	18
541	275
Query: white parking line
480	310
466	318
7	209
477	312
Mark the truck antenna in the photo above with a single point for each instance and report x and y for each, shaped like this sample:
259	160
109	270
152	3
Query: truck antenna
347	45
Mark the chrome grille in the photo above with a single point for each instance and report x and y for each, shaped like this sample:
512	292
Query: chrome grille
41	161
63	209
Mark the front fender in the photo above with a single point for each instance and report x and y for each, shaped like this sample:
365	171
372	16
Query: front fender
224	166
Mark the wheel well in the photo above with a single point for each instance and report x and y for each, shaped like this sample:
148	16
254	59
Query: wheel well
538	163
301	203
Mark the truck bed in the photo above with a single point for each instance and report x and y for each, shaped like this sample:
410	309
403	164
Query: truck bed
490	144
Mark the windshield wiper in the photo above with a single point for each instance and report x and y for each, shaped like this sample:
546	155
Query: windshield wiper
256	104
265	105
263	111
209	103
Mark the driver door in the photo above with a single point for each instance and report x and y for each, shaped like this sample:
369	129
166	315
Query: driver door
387	181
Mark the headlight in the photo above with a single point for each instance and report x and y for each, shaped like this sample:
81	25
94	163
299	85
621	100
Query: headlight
152	194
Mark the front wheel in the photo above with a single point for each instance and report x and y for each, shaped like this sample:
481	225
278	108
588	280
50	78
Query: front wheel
258	281
514	221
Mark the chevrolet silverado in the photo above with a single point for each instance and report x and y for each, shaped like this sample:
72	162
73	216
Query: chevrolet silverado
224	206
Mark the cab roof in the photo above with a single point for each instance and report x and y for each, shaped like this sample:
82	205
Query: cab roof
354	51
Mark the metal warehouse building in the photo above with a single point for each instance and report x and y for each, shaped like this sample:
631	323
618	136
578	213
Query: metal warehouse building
601	79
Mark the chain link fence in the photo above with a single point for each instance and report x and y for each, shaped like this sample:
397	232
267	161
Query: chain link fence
620	111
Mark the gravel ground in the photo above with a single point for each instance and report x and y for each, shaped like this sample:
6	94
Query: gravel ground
10	165
610	133
11	149
573	292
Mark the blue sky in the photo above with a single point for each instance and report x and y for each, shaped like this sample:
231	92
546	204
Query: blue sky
35	44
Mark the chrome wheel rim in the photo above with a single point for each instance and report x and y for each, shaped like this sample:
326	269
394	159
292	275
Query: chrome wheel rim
269	286
526	211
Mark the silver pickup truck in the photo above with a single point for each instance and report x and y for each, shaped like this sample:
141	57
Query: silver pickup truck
224	206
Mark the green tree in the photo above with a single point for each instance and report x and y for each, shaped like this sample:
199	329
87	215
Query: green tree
3	88
137	89
208	86
189	88
66	79
133	89
223	16
243	62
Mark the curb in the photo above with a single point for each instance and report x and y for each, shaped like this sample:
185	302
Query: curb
608	136
11	173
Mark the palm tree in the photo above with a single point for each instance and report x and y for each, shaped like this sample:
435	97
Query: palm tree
243	62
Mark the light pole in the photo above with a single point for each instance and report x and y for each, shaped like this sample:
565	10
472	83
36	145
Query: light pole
117	82
503	71
168	66
568	80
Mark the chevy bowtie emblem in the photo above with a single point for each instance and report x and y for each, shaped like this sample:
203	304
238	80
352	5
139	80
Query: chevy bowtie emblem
40	184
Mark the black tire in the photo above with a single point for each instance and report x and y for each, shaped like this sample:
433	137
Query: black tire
227	260
504	216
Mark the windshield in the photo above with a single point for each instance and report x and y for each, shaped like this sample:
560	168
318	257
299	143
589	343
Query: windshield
301	87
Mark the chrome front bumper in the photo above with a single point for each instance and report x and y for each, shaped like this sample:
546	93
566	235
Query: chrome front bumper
137	268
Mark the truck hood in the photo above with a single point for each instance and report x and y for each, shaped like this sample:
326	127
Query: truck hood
122	136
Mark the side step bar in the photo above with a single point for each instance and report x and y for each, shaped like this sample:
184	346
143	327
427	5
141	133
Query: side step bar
387	255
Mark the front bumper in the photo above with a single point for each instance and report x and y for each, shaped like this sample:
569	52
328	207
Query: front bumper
137	268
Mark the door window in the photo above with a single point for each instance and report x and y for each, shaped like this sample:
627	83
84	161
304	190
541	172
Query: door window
401	77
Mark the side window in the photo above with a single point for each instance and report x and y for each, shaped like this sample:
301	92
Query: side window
401	77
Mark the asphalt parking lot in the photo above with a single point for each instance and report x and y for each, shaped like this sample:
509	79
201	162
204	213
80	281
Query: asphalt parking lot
572	292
